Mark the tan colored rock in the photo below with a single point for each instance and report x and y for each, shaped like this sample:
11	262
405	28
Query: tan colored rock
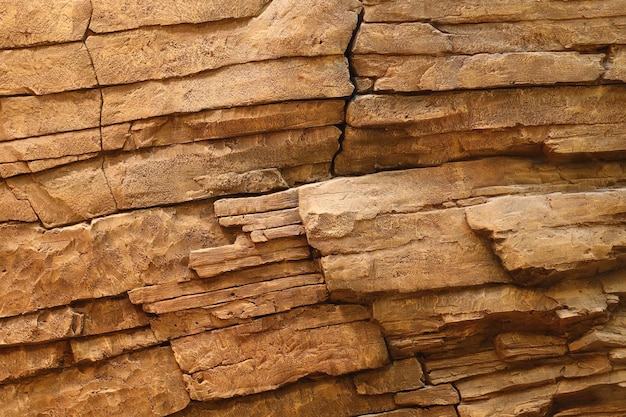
37	22
401	375
405	74
273	233
12	169
513	347
461	366
96	348
262	204
611	334
129	14
443	411
222	123
617	68
574	385
261	221
614	282
146	383
238	85
534	402
46	69
68	194
283	29
307	399
41	326
444	394
22	117
176	174
470	39
447	112
50	146
600	141
107	315
25	361
109	257
599	401
305	348
485	11
540	238
13	209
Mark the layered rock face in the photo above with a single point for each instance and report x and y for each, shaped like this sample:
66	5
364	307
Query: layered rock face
399	208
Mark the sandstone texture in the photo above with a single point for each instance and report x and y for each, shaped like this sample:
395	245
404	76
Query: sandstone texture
353	208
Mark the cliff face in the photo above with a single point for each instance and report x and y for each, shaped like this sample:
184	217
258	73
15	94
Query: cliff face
401	208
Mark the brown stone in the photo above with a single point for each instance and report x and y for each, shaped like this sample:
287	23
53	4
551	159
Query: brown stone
45	70
575	385
146	383
281	232
444	394
175	174
405	74
96	348
307	399
513	347
306	349
599	141
21	117
129	14
534	402
614	282
401	375
38	22
237	85
111	256
461	366
610	335
617	68
485	11
443	411
261	221
222	123
68	194
41	326
110	315
13	209
265	203
12	169
283	29
24	361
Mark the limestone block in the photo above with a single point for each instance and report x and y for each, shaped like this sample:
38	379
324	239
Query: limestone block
280	232
41	326
46	69
261	221
222	123
37	22
602	141
307	399
545	238
109	257
12	169
513	347
147	383
261	204
401	375
13	209
452	111
237	85
461	366
50	146
575	385
24	361
128	14
109	315
67	194
96	348
609	335
177	173
534	402
22	117
283	29
444	394
218	370
469	39
418	73
486	11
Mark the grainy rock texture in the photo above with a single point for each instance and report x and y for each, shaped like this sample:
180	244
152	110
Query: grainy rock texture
354	208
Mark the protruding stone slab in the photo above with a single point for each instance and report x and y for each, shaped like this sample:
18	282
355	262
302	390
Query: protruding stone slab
38	22
238	85
287	199
436	411
107	315
533	402
444	394
401	375
41	326
96	348
24	361
130	14
617	70
46	70
219	371
461	366
147	383
513	347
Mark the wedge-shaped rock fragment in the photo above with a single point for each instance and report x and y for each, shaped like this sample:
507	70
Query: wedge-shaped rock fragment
222	123
12	169
418	73
401	375
308	399
546	238
460	366
38	22
611	334
200	170
283	200
534	402
444	394
24	361
147	383
50	146
280	232
283	29
261	221
41	326
109	257
22	117
308	341
513	347
237	85
107	315
129	14
95	348
486	11
46	70
13	209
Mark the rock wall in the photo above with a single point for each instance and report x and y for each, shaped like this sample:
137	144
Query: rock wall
399	208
